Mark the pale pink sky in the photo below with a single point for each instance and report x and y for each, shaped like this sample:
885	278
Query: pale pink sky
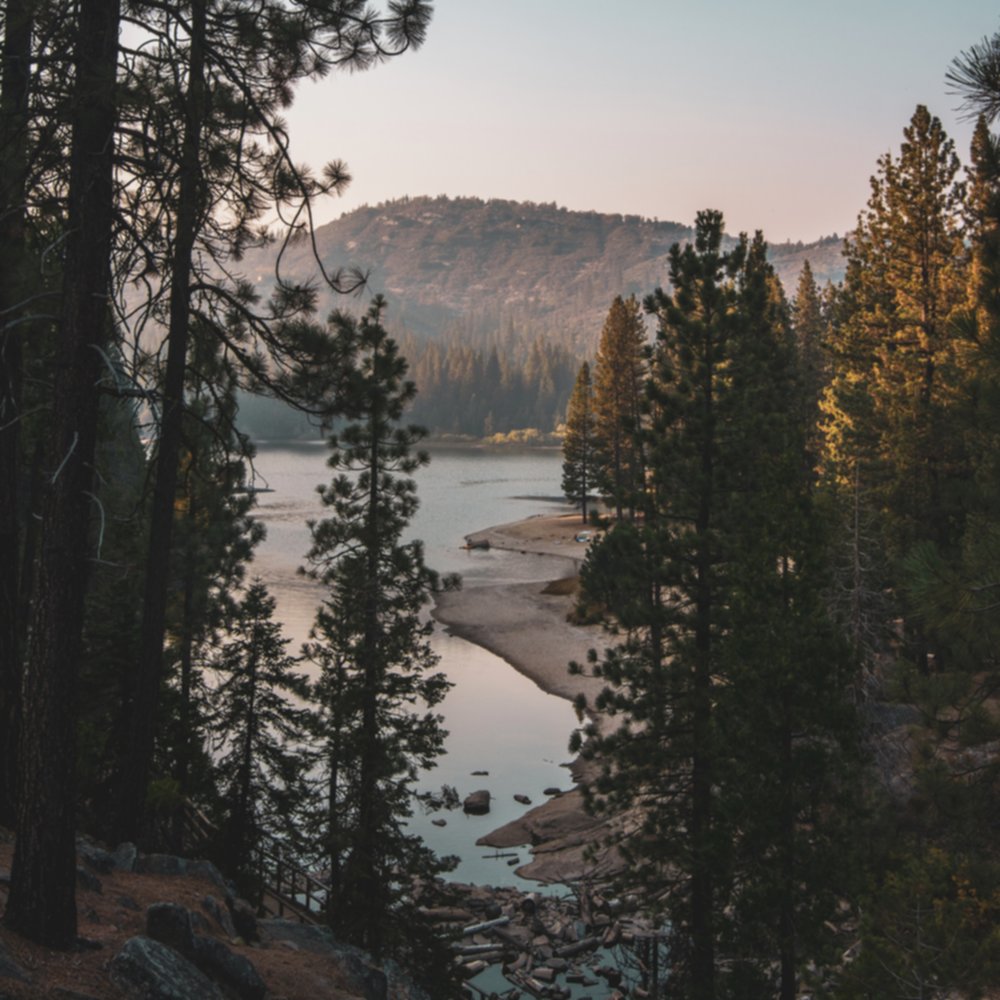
774	111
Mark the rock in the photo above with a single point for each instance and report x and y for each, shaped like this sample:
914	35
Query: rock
552	790
479	774
543	974
9	969
206	869
235	973
88	880
161	864
439	822
125	856
96	858
146	969
220	914
355	964
477	803
244	919
170	924
557	964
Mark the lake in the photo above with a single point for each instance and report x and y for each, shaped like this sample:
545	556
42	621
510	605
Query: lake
498	720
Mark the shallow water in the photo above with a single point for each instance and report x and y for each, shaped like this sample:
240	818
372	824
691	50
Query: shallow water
498	720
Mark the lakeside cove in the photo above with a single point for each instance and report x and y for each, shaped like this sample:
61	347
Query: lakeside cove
526	624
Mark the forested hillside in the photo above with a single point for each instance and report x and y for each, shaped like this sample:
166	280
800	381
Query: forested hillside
488	266
512	294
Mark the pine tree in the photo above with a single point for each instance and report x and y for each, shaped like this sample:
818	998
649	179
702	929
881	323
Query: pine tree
619	371
578	444
377	687
42	903
259	729
727	680
810	327
893	443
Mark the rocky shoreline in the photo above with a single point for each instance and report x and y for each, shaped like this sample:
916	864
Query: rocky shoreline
526	625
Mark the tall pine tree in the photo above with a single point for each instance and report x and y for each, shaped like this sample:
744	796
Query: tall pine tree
727	681
619	371
578	444
377	687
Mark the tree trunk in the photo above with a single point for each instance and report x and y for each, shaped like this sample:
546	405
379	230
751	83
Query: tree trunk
13	288
42	903
138	756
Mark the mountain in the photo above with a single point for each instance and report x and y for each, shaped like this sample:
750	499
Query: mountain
480	268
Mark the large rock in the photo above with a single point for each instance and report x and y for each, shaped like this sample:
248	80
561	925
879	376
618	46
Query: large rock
220	913
354	963
148	970
95	858
161	864
125	856
170	924
233	972
477	803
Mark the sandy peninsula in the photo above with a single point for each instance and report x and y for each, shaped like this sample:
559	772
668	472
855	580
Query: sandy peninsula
525	624
520	622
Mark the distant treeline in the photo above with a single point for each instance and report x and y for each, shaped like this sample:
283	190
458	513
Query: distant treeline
508	382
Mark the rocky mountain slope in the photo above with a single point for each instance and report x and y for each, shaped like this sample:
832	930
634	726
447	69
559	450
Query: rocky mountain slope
485	267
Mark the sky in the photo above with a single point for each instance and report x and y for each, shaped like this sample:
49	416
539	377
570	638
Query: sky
773	111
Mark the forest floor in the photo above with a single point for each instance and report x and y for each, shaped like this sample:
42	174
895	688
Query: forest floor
112	909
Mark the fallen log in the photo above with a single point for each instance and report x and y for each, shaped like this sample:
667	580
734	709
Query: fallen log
485	926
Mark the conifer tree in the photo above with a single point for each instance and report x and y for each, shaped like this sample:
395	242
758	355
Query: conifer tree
892	440
619	371
377	687
259	728
727	680
810	327
578	444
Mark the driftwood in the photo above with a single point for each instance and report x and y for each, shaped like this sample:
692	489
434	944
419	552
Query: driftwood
485	925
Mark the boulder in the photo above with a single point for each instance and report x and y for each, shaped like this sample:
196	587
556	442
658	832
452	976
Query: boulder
125	856
88	880
235	973
170	924
146	969
477	803
207	870
219	912
523	799
161	864
96	858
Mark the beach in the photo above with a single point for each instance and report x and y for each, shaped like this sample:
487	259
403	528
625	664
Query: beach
526	625
521	622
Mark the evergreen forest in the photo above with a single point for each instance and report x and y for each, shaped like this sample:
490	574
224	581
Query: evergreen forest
795	488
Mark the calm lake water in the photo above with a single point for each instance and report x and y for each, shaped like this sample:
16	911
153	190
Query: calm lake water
498	720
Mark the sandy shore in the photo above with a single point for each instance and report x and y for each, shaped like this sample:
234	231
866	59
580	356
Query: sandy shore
527	627
520	623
